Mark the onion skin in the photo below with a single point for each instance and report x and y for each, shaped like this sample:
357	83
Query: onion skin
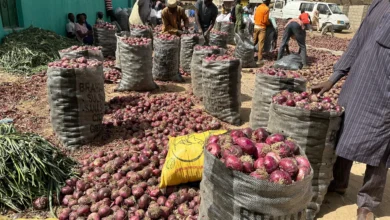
262	149
280	177
303	171
233	163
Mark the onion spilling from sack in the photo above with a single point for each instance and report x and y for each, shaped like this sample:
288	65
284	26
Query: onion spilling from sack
264	156
81	62
278	72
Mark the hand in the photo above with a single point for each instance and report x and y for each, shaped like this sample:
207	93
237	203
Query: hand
322	87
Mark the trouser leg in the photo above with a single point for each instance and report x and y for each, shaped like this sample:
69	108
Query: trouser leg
341	172
286	37
261	38
301	39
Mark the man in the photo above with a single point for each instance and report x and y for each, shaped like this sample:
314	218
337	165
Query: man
365	132
294	29
316	20
261	22
172	16
205	15
327	27
70	26
110	10
140	12
306	20
99	19
239	11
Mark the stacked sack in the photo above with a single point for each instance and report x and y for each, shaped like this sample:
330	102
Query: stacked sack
267	83
218	38
76	99
187	44
254	175
221	75
314	123
104	35
228	27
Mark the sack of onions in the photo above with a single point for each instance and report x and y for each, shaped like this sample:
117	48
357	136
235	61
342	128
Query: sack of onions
254	175
140	31
222	87
89	52
166	58
136	64
218	38
76	99
228	27
268	82
314	123
104	35
217	26
245	50
199	53
119	36
187	44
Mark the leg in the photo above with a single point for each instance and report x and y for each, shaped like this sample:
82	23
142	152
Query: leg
261	44
255	36
301	39
341	172
284	43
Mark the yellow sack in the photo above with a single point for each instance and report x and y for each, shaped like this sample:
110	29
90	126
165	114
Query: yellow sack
184	161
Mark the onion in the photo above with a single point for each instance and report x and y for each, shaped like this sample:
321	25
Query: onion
270	164
137	191
118	200
247	132
302	161
260	134
143	201
262	149
40	203
281	149
275	156
213	139
280	177
64	215
161	200
303	171
260	174
154	212
130	201
120	214
259	163
233	162
80	185
214	149
104	211
232	150
83	210
247	164
292	145
246	145
288	165
274	138
66	190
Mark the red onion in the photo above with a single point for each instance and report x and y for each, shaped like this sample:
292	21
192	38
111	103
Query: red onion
303	171
281	149
259	163
120	214
292	145
214	149
104	211
246	145
302	161
288	165
280	177
137	191
274	138
262	149
66	190
213	139
233	162
260	134
83	210
143	201
247	132
260	174
270	164
247	164
232	150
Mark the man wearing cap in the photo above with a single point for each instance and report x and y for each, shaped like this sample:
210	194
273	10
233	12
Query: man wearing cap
172	16
205	16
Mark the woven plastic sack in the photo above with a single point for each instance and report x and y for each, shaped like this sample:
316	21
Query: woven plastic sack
289	62
217	26
230	194
105	38
136	66
185	158
316	133
196	69
245	50
76	100
143	31
265	87
89	54
117	52
166	60
186	50
271	37
218	39
222	89
228	27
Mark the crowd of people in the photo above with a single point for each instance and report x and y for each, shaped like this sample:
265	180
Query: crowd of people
80	29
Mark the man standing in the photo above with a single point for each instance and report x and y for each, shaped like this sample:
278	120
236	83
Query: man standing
172	16
205	15
140	12
261	22
238	17
294	29
365	132
70	26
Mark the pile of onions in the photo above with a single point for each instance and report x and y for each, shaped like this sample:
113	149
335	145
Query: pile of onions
109	62
80	62
105	25
199	47
138	26
264	156
123	183
158	28
306	101
80	48
112	75
190	35
184	73
219	33
136	41
167	37
278	73
216	57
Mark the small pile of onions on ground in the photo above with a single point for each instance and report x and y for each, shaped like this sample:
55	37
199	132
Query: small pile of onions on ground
109	62
80	48
112	75
262	155
278	73
306	101
80	62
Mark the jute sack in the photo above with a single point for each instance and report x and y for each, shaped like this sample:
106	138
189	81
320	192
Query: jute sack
196	69
136	66
76	100
222	89
188	41
117	52
228	194
228	27
105	38
316	133
265	87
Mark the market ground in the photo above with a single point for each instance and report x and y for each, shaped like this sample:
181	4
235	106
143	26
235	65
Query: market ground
334	207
